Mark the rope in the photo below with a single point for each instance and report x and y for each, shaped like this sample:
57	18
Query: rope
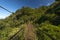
16	34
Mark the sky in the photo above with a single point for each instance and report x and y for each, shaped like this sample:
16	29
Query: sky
13	5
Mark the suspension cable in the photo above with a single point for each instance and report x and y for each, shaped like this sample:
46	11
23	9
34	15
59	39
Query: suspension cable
5	9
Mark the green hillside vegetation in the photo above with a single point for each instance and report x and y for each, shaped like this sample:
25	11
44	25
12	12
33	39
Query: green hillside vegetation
27	23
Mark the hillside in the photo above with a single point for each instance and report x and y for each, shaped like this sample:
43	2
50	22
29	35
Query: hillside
27	23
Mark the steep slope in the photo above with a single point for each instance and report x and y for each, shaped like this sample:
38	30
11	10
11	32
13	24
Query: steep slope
41	23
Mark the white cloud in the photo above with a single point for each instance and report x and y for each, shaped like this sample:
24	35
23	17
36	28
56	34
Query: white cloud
48	4
3	13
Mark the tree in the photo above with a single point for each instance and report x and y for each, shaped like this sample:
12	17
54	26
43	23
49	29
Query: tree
57	0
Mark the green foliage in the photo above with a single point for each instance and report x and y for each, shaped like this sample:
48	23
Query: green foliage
57	0
46	20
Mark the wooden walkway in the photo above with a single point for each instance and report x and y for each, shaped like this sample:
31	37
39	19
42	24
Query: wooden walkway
28	33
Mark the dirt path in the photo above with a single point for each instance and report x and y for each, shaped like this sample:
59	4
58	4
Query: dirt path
29	35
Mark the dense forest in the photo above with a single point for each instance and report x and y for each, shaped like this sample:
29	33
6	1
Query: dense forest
42	23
